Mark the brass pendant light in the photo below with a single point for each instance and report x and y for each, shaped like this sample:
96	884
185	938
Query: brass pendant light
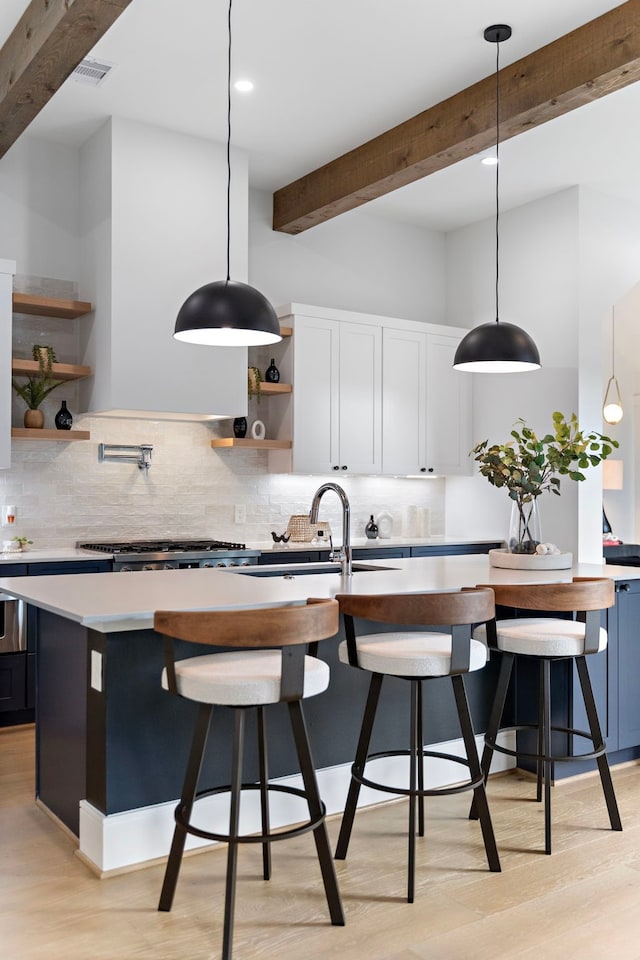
612	411
497	347
226	312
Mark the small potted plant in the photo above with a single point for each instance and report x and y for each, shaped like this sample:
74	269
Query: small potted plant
528	465
21	542
254	383
38	386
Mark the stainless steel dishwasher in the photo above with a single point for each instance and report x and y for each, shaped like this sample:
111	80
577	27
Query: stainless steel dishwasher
12	633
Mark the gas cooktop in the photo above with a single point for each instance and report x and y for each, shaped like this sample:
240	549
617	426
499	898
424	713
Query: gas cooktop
160	546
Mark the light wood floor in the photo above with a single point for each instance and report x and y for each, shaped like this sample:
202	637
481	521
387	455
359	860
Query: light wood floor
583	901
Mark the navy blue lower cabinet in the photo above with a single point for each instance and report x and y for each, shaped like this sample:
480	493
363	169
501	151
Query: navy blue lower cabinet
290	556
627	626
454	549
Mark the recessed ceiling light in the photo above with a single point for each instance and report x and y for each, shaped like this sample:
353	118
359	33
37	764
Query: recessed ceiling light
244	86
489	161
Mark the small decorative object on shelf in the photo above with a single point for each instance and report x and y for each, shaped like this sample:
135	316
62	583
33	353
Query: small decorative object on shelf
38	386
280	538
258	430
272	374
63	418
371	529
254	383
240	427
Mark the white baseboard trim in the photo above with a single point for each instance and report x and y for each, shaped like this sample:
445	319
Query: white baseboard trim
118	842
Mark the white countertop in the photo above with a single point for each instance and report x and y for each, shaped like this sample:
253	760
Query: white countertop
52	554
359	543
113	602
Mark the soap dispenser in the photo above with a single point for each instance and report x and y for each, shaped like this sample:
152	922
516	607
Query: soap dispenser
371	529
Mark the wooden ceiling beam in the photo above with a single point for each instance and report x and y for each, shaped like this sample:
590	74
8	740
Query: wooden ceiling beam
48	43
595	59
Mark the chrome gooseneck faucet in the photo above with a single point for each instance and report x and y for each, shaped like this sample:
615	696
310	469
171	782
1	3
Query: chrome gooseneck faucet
344	553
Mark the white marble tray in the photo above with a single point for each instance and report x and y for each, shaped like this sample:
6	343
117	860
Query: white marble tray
530	561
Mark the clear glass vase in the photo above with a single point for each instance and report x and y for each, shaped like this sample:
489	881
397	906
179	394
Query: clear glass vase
524	528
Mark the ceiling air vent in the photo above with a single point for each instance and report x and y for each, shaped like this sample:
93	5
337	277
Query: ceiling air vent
92	71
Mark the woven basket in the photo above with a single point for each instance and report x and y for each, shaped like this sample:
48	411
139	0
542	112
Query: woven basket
301	531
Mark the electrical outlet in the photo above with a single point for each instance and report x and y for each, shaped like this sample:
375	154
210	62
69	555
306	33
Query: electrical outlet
241	513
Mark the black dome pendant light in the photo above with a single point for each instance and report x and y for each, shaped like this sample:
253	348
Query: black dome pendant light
497	347
226	312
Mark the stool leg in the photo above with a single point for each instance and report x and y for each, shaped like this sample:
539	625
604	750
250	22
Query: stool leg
420	732
540	747
495	717
479	792
234	822
414	756
190	785
545	720
264	791
596	736
361	758
320	834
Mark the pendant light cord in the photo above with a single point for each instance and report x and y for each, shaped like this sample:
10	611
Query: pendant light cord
613	342
229	147
497	178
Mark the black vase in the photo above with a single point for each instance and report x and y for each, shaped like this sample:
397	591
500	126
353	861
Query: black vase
240	427
272	374
63	418
371	529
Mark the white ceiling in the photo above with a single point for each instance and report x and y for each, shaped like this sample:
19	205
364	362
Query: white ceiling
331	74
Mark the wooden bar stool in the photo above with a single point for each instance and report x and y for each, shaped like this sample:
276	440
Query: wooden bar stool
417	656
549	639
272	666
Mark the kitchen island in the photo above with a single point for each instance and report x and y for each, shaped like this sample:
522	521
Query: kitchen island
111	744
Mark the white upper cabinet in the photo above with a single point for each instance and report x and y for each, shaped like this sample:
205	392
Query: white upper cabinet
7	271
448	409
337	396
404	408
374	395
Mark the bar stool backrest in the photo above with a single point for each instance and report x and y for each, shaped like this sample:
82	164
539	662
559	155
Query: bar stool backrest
292	627
475	605
581	594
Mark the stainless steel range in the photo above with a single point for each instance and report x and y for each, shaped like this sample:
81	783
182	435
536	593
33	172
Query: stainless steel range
174	554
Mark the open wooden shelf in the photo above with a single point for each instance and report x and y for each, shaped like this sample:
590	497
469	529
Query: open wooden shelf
50	306
63	436
286	331
59	371
271	388
249	444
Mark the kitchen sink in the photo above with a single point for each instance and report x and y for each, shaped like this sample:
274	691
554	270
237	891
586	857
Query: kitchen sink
306	569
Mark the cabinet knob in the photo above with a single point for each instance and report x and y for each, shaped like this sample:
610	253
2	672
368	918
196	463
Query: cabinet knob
336	467
423	469
624	587
430	469
344	466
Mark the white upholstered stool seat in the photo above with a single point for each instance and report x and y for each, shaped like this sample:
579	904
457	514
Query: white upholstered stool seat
410	654
247	678
541	637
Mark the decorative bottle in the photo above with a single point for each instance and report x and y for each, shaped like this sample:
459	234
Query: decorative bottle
63	418
371	529
272	374
240	427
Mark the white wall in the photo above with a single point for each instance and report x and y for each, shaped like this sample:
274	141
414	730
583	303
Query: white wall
538	291
39	208
356	262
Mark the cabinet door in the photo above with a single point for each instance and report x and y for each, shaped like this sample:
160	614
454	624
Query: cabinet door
448	410
628	615
404	408
360	393
316	403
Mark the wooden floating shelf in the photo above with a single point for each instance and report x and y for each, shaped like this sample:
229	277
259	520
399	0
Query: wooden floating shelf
286	331
50	306
272	388
249	444
63	436
59	371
